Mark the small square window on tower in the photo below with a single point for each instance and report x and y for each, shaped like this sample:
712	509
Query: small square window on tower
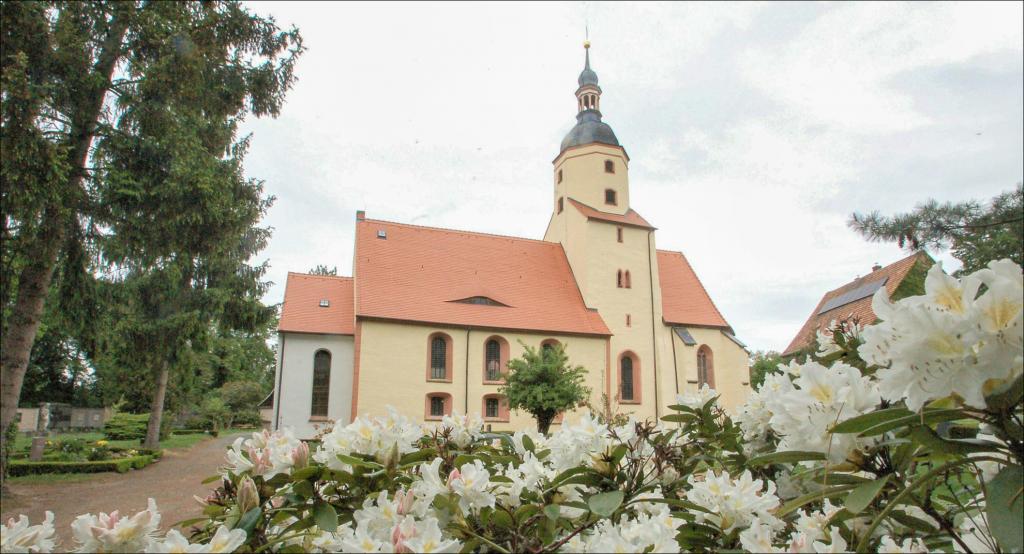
618	233
561	205
629	320
325	303
609	197
609	166
559	175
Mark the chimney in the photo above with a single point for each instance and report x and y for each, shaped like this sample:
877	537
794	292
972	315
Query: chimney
360	215
875	267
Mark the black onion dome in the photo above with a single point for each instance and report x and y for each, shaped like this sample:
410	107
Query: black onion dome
589	129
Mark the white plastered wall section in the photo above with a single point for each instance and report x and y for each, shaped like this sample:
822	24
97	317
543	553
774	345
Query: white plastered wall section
293	381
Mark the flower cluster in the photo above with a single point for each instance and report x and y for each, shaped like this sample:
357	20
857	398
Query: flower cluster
114	533
890	438
951	340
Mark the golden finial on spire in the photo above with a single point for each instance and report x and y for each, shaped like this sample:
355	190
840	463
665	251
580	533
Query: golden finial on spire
586	44
586	36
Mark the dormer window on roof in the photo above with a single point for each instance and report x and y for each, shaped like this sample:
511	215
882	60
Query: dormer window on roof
382	234
480	301
325	303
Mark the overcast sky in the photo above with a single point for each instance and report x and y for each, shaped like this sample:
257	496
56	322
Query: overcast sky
753	130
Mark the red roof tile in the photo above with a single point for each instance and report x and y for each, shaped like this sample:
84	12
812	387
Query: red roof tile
301	312
629	218
417	273
684	301
860	309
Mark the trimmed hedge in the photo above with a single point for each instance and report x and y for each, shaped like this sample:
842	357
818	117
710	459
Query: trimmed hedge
124	426
17	468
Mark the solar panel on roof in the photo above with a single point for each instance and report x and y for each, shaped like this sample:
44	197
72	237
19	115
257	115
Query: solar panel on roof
854	295
685	336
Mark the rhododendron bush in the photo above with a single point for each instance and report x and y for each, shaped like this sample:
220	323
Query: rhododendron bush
904	436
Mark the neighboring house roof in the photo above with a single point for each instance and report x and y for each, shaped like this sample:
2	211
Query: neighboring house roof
302	313
852	300
684	301
630	218
419	274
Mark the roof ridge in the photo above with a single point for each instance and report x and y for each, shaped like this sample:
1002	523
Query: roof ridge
702	288
342	277
460	231
886	268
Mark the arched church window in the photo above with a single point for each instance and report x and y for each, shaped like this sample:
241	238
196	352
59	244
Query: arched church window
439	363
705	367
628	282
609	197
618	280
561	205
609	166
495	358
618	233
321	383
559	175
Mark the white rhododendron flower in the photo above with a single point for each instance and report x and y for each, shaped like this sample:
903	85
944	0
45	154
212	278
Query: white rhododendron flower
379	437
264	453
19	536
947	341
471	483
464	429
732	503
113	533
697	399
817	399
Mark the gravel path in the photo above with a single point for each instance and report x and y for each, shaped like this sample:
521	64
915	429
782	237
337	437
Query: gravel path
171	482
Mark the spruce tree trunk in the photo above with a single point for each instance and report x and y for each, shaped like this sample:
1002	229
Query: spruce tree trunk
34	280
156	411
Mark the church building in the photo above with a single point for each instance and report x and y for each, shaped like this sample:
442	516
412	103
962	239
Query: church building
431	316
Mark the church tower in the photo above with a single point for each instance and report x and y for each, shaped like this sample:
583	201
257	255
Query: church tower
610	247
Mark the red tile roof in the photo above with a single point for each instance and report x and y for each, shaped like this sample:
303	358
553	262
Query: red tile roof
860	309
417	273
684	301
301	311
630	218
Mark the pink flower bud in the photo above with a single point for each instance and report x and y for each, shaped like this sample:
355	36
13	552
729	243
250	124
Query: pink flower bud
300	456
455	474
248	497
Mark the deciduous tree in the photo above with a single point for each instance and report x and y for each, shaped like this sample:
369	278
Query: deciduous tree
106	105
544	384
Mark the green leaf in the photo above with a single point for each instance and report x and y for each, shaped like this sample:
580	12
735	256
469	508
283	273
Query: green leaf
325	516
417	456
869	420
552	511
679	418
928	438
557	481
860	497
787	457
605	503
249	520
800	501
358	462
528	443
212	478
1004	497
525	512
500	518
912	522
303	489
927	417
305	473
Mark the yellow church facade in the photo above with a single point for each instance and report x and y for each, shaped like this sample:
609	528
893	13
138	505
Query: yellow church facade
431	316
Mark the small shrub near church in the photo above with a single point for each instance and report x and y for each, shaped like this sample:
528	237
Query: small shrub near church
125	426
901	437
